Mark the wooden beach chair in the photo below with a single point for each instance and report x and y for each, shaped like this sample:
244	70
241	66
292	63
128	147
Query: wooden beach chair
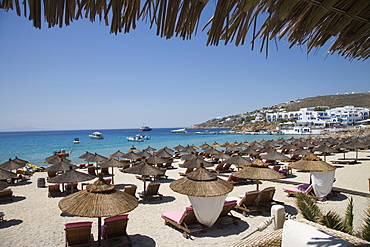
301	188
114	231
184	220
131	190
226	217
151	192
54	190
6	195
91	170
71	187
265	198
163	175
78	233
188	170
247	203
226	167
233	180
217	168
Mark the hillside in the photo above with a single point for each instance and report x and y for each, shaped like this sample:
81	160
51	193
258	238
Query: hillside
244	122
358	99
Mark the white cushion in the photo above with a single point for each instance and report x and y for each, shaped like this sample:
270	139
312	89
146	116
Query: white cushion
299	234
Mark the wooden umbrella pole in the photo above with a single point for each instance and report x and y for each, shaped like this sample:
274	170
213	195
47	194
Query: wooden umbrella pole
99	231
112	175
144	178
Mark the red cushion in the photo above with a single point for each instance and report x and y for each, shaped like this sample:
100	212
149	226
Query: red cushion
114	218
78	224
230	202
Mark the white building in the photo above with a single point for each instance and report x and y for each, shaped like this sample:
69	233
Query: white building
345	115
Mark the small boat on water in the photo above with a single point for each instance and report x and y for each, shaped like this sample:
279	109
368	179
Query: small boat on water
207	132
76	141
145	128
183	130
61	152
137	138
96	135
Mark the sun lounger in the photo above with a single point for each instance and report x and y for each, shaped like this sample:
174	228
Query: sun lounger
131	190
162	176
348	161
105	171
54	190
217	168
233	180
114	230
78	233
186	172
226	216
184	220
151	192
301	188
6	195
71	187
265	198
227	167
2	216
247	203
91	170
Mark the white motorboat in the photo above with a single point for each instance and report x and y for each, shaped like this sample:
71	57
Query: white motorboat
96	135
183	130
137	138
76	141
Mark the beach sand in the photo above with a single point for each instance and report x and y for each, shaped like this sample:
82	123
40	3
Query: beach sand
33	219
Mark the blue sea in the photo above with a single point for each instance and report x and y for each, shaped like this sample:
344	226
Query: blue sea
35	146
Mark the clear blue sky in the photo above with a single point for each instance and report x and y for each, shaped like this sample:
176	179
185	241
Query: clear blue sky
82	77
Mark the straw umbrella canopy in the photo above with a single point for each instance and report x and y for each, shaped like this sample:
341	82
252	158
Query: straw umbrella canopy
16	159
86	155
117	154
155	159
188	149
11	165
99	199
71	176
258	170
111	162
238	161
150	149
215	144
132	156
274	155
325	150
312	163
188	156
3	185
163	153
249	151
4	174
55	159
132	149
233	149
201	183
204	145
343	146
144	154
221	156
60	166
196	162
145	170
178	147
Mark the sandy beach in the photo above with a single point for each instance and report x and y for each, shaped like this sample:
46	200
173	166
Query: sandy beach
33	219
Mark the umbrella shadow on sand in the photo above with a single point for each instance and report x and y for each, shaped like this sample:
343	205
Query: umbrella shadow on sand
168	180
9	223
14	199
142	240
230	230
165	199
122	186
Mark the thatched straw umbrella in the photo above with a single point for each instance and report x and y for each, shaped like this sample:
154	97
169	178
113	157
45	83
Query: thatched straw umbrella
132	149
237	160
312	163
71	176
206	193
117	154
188	149
60	166
111	162
3	185
99	199
325	150
16	159
145	170
188	157
4	174
12	165
274	155
258	170
322	173
55	159
150	149
196	162
155	159
163	153
178	147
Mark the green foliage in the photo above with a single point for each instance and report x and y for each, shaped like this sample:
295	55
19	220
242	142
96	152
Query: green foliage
348	217
308	208
332	220
250	118
365	229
